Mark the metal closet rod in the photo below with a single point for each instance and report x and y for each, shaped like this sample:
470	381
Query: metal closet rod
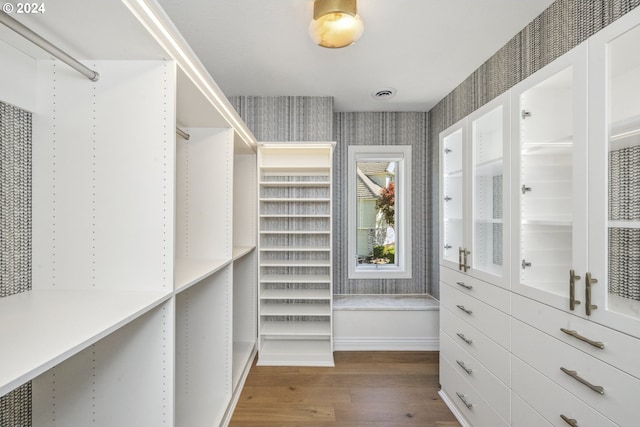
34	38
182	133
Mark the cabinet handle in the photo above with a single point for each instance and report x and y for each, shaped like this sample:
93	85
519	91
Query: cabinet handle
469	287
587	293
462	365
572	289
460	258
575	334
463	338
570	421
466	310
464	400
575	376
465	265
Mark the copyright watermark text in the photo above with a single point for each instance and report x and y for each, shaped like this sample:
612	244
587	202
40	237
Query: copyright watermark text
24	8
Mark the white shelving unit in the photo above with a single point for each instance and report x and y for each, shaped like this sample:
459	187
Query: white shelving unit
295	283
145	268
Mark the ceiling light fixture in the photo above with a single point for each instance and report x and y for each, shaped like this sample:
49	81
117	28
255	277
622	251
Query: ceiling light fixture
335	23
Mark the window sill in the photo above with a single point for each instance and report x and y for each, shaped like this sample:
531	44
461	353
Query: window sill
395	302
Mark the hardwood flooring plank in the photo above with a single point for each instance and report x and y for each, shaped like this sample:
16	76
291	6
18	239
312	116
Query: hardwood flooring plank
283	394
364	389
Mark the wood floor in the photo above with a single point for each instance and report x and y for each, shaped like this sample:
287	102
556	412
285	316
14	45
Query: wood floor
364	389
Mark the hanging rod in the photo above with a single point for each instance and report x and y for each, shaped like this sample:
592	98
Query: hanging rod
182	133
25	32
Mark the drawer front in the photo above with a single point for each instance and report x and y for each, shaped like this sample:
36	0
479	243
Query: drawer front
494	357
550	400
620	395
495	392
523	415
486	292
619	350
492	322
467	400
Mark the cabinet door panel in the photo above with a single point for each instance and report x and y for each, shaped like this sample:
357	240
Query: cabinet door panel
549	179
614	176
452	147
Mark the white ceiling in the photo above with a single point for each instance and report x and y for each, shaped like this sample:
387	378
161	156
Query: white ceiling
422	48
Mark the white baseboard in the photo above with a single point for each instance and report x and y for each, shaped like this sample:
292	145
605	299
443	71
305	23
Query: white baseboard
386	344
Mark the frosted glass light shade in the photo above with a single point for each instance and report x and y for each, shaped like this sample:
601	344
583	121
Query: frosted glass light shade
335	23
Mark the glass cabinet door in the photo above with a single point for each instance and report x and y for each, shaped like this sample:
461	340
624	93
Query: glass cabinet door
549	196
452	186
614	259
487	173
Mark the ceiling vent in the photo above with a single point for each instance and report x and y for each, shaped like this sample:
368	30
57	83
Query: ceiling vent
385	93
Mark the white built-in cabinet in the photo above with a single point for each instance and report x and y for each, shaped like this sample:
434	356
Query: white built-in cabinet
295	246
475	301
143	307
573	326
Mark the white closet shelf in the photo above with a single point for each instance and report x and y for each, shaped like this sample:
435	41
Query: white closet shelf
321	184
296	263
550	221
487	220
55	325
296	352
295	278
300	294
295	232
190	271
295	216
273	309
240	251
624	224
295	199
289	170
294	249
299	328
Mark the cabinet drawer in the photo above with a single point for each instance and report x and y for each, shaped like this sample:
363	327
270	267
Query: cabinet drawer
619	399
550	400
486	292
492	322
467	400
494	357
495	392
620	350
523	415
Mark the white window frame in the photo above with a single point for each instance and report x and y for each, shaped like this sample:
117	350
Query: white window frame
387	153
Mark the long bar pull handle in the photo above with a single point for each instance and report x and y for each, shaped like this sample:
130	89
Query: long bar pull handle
588	280
464	285
464	400
572	289
465	265
466	310
464	367
570	421
575	334
575	376
460	258
463	338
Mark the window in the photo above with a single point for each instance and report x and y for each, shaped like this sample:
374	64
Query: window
379	204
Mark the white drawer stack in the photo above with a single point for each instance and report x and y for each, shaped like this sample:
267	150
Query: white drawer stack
592	370
475	348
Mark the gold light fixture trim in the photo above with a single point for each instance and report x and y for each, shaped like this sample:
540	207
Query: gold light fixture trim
336	23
